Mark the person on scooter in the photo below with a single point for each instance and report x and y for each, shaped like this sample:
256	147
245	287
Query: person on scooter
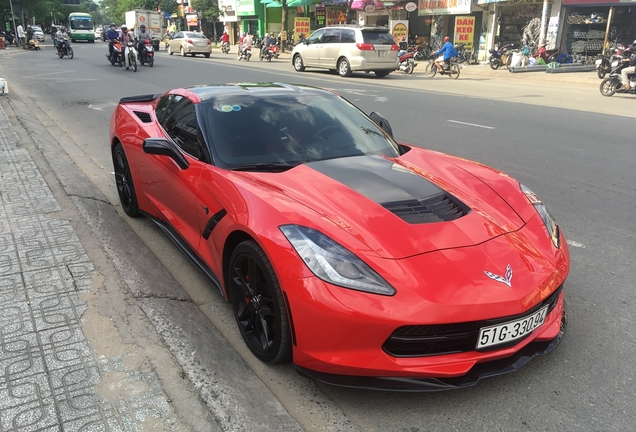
267	41
225	38
126	37
142	35
245	44
447	52
628	70
111	36
60	36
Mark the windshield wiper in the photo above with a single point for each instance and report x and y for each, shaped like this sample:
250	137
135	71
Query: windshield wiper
264	166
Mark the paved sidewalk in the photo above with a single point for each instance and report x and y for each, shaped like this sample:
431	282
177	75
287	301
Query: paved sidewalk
48	373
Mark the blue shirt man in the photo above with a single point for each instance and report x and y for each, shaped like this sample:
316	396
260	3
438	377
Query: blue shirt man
447	50
111	36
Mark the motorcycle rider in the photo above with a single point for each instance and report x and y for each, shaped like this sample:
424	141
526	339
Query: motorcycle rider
111	36
59	37
126	37
225	38
628	70
142	35
245	44
447	52
267	41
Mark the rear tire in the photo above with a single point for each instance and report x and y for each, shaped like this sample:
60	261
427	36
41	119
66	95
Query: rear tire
601	72
608	86
70	53
409	69
344	70
124	182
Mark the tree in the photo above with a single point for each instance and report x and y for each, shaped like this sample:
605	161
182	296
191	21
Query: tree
209	9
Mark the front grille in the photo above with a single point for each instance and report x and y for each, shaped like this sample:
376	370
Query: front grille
440	207
144	117
438	339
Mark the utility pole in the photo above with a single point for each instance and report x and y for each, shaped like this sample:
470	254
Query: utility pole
15	27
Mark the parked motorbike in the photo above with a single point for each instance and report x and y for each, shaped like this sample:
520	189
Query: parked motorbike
33	44
64	49
499	57
10	39
225	47
131	56
463	56
451	68
117	57
406	61
246	53
147	53
610	85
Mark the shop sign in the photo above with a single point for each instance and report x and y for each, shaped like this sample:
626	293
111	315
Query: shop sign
399	30
228	10
301	25
245	7
444	7
335	16
191	20
465	31
521	1
369	8
595	2
410	7
321	16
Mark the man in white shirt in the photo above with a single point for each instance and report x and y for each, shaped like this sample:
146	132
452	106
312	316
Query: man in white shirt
20	34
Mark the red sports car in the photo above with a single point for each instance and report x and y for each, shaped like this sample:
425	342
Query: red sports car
367	262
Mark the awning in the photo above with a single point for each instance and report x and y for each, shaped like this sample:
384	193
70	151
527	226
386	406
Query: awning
361	4
290	3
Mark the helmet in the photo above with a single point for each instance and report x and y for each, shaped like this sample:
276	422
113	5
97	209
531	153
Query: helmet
142	27
124	28
112	25
446	39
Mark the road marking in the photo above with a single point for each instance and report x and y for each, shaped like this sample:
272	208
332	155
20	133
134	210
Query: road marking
46	74
576	244
471	124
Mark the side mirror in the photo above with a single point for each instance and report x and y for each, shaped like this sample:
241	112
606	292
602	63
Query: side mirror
163	147
382	122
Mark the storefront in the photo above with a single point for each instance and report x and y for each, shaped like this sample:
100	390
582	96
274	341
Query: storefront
229	18
589	27
516	21
460	22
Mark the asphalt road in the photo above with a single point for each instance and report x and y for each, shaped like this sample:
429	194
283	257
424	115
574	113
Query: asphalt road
563	140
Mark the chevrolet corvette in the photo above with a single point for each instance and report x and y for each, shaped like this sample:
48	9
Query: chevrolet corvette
366	262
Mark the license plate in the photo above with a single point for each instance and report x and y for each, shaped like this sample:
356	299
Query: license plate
382	53
599	61
512	330
200	44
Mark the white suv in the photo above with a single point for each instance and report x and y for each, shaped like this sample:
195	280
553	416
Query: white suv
347	48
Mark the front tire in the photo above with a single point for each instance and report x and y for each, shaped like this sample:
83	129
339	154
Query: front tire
494	64
182	52
258	304
70	52
169	50
133	63
299	66
207	55
453	71
124	182
608	86
431	70
409	69
344	70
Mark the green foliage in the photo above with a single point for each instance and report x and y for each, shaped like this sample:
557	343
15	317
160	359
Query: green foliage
116	9
209	8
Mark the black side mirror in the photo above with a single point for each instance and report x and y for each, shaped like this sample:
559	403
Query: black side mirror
382	122
163	147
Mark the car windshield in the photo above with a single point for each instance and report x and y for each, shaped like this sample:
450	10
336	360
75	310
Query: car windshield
193	35
377	37
267	131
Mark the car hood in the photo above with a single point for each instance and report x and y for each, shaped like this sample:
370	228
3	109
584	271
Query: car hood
395	207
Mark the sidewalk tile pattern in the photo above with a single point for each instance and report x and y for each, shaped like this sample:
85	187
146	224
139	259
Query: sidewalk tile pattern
48	372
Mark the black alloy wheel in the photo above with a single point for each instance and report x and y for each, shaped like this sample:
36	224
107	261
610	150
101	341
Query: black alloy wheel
124	181
258	304
609	86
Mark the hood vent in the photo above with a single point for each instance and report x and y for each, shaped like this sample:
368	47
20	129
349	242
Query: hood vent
143	116
440	207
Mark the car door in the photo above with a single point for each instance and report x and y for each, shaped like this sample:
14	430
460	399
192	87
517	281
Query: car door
311	51
170	188
330	48
175	42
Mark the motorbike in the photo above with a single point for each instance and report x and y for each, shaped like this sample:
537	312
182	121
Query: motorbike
463	56
33	44
406	61
499	57
246	53
604	64
450	69
117	57
64	49
611	84
10	38
131	56
270	53
225	47
147	53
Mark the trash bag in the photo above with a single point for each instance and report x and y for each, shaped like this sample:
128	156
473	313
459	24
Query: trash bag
540	61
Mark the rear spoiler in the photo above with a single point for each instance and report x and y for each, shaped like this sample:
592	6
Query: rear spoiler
140	98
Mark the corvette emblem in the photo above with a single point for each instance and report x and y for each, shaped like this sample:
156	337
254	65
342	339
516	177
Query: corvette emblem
503	279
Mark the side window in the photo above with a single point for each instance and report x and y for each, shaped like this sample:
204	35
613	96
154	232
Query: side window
181	125
331	35
347	36
315	37
179	35
162	108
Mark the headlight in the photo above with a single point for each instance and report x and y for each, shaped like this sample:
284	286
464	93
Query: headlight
333	263
548	221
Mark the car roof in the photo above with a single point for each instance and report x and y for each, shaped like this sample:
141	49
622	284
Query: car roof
209	92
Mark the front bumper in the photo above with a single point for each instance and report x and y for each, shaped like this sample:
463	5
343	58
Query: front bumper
479	371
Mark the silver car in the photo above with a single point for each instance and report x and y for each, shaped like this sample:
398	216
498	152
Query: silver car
192	43
346	49
38	33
